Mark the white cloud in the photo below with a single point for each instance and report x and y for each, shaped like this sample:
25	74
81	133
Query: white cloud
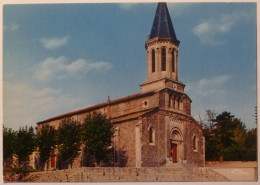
60	68
11	27
53	43
213	82
75	66
23	102
178	9
48	68
46	92
209	93
208	30
127	6
207	88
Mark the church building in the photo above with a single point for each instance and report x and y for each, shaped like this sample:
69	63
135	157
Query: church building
154	127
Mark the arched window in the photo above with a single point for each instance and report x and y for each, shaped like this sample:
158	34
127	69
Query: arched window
195	143
151	135
153	60
175	135
173	61
163	59
170	103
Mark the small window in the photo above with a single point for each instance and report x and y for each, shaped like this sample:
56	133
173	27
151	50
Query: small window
153	60
173	102
173	61
145	103
195	143
163	59
151	136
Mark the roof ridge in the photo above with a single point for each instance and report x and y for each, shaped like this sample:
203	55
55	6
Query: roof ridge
94	107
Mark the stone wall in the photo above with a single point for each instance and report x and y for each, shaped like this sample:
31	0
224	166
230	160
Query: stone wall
153	154
232	164
194	156
235	170
125	140
159	174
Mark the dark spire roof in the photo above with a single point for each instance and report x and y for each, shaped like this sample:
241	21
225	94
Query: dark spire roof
162	24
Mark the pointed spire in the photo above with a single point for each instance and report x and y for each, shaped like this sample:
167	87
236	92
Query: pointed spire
162	24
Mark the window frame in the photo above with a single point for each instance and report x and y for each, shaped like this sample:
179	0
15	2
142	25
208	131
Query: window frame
173	60
195	143
151	135
153	60
163	59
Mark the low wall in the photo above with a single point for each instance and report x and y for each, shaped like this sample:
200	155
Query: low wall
238	174
231	164
235	170
126	174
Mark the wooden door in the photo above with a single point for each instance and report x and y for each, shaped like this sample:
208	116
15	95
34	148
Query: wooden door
174	152
52	162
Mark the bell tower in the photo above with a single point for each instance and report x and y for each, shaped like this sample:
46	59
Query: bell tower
162	53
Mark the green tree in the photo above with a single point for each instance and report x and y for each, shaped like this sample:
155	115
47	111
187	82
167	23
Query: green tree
230	136
46	141
121	158
226	137
251	145
224	130
21	143
24	144
68	141
237	151
8	145
97	135
207	123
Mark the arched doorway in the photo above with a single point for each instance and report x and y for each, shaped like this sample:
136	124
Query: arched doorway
174	152
176	146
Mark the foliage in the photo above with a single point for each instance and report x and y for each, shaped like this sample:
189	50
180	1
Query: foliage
24	143
121	158
46	141
97	135
226	137
109	159
251	143
68	141
207	124
88	159
20	143
19	173
8	145
114	158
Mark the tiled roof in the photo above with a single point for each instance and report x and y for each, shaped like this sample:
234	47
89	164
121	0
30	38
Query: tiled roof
95	107
162	24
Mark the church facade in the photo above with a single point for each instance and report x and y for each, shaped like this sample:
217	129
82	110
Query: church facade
154	127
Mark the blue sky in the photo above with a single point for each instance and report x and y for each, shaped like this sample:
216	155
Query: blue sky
59	58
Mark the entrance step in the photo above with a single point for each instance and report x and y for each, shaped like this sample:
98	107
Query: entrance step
180	165
129	174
